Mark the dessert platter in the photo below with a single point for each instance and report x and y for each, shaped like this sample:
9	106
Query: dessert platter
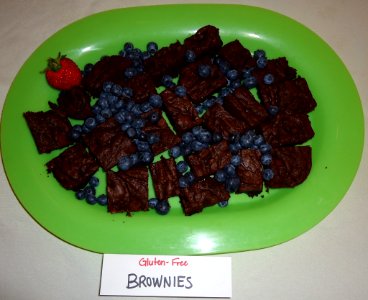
210	131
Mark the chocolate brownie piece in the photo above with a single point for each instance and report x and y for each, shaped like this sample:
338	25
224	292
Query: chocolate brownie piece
209	160
201	194
142	86
107	142
237	56
206	41
218	120
74	103
166	61
199	88
127	191
49	129
180	111
73	168
167	138
291	96
290	165
165	178
278	67
250	172
242	105
286	129
108	68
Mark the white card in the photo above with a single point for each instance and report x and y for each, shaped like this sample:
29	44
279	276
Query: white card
161	275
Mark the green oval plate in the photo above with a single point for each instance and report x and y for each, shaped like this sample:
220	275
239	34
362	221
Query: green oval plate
247	223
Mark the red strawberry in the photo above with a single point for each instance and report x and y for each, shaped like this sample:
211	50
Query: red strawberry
62	73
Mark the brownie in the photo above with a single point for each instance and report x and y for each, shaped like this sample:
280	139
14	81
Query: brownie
238	57
290	165
206	41
180	111
142	86
218	120
201	194
286	130
209	160
165	178
278	67
127	191
167	138
108	68
242	105
199	88
107	142
74	103
166	61
49	129
250	172
290	96
73	168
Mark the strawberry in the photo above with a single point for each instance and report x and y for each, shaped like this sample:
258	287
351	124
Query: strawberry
62	73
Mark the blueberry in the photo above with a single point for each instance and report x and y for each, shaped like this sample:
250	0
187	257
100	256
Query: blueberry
182	166
209	102
220	100
224	92
153	138
223	203
136	109
235	160
232	74
261	62
130	72
200	109
127	92
273	110
94	181
187	137
96	109
267	174
106	113
152	202
197	146
146	157
235	84
80	195
190	177
131	132
119	104
155	100
102	200
142	146
197	130
128	46
268	79
247	72
138	123
230	170
232	184
162	207
106	87
120	117
258	140
186	150
234	137
175	151
100	119
134	159
190	56
250	82
154	117
216	137
125	126
90	123
183	182
204	70
223	66
124	163
259	53
167	81
91	199
235	147
146	107
205	137
265	148
152	47
266	159
117	90
220	176
181	91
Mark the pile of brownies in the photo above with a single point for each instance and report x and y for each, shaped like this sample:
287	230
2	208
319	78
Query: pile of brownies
280	116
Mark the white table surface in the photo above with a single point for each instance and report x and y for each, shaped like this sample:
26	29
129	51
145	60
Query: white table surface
328	262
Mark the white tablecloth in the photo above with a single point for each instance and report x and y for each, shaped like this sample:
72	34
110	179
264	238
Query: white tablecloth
328	262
